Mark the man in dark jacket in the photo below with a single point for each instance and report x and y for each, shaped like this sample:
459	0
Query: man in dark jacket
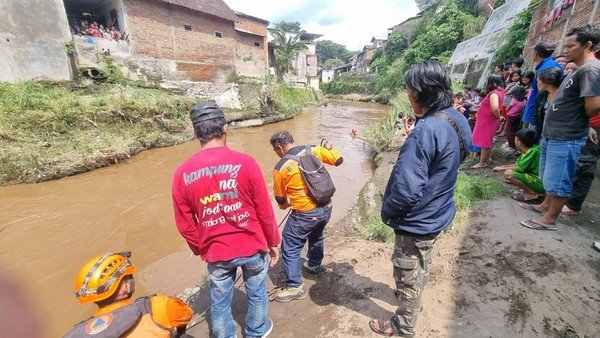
418	202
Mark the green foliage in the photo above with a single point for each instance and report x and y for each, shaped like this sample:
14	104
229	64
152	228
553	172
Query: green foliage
376	230
499	3
290	101
49	129
514	40
348	83
333	63
289	26
469	6
327	50
428	4
380	134
286	49
112	71
70	47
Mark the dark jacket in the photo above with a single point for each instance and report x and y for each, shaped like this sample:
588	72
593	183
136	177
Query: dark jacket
419	195
539	113
530	108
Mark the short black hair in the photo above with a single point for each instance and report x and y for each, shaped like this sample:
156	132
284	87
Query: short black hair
431	81
459	95
545	49
518	62
210	130
411	118
281	139
587	33
519	93
518	72
530	75
500	66
493	81
552	76
527	136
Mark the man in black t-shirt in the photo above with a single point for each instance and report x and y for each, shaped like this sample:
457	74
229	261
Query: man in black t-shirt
566	125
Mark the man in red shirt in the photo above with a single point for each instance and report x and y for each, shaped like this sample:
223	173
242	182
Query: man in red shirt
223	211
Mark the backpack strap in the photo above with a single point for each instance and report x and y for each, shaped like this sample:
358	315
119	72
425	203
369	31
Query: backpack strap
461	142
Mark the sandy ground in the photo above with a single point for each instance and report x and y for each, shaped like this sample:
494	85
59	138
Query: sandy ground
490	277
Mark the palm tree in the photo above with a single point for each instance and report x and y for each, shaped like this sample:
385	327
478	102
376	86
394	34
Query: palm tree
286	49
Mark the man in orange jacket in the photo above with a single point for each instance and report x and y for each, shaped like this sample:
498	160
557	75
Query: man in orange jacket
108	281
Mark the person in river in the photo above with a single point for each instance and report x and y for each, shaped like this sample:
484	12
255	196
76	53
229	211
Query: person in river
107	281
223	211
418	201
309	215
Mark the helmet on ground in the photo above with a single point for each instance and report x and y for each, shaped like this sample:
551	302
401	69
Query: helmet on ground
99	278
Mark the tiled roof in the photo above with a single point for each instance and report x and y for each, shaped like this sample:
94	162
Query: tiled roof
216	8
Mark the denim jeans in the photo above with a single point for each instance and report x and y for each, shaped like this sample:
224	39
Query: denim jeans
299	228
222	277
584	175
558	162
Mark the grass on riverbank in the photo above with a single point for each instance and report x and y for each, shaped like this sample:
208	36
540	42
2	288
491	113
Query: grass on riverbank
51	130
470	188
381	133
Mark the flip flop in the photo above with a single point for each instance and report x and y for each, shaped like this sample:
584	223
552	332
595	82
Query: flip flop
570	212
385	328
530	207
521	198
531	224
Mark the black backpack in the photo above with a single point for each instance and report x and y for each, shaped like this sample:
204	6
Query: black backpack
317	178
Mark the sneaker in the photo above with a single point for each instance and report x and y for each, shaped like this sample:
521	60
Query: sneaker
270	328
316	270
289	293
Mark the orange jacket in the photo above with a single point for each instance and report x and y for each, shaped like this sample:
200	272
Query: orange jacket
290	189
157	316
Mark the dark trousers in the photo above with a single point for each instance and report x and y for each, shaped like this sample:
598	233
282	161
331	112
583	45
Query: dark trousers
513	124
411	258
584	176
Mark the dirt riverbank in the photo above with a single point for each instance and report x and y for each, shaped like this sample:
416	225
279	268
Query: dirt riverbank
490	277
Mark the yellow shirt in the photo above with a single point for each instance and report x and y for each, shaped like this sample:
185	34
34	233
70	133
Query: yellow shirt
288	184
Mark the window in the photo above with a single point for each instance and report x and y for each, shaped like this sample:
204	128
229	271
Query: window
219	34
187	27
257	44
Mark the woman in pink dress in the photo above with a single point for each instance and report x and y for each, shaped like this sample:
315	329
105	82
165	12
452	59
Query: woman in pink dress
488	117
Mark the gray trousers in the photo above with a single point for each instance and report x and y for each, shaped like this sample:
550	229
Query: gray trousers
411	258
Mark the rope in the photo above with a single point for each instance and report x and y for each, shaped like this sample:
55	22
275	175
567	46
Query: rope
272	294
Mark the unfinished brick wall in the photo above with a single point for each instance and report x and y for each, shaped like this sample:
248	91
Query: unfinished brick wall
157	29
581	13
251	60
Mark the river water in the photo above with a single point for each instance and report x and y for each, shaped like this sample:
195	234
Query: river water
49	230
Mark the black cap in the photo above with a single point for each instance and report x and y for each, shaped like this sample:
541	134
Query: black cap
545	48
205	111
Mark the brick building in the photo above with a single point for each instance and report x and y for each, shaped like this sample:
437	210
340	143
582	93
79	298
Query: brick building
553	19
251	52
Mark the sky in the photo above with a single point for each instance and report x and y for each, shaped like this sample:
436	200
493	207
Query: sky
349	22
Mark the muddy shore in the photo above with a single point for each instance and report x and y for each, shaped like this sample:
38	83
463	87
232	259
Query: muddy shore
490	277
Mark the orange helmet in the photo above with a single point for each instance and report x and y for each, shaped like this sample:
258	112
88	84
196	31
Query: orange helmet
99	278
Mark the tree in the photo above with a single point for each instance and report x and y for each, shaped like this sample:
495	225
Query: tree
514	40
333	63
286	50
327	50
425	5
289	26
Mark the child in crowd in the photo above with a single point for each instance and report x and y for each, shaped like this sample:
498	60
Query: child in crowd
525	173
515	80
513	116
527	79
570	67
409	124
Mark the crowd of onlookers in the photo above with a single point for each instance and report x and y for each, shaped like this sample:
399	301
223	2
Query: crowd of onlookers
93	29
550	117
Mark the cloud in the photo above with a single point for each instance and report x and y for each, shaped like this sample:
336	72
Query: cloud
351	23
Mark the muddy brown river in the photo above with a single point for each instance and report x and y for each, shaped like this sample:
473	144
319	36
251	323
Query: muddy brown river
49	230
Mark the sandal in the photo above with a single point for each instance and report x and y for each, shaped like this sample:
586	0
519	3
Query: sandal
521	198
531	224
385	328
570	212
530	207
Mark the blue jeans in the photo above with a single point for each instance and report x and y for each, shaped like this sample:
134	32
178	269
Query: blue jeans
300	227
222	277
558	162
